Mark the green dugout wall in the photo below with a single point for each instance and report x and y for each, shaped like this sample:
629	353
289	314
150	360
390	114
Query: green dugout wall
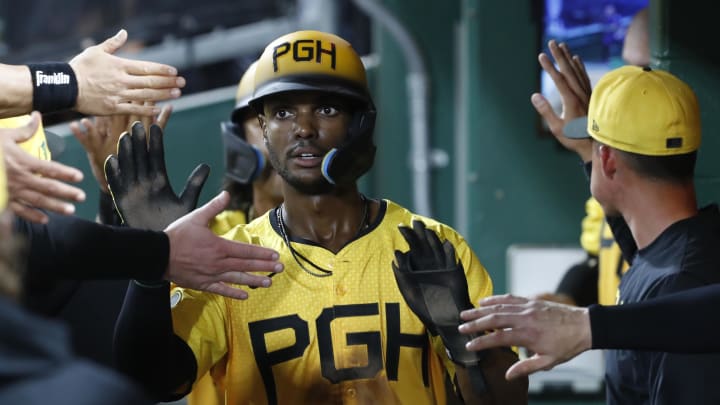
504	182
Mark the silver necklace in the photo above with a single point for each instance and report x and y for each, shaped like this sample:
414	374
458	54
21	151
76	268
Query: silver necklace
364	222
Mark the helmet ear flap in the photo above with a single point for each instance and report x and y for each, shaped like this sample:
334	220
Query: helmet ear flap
356	155
243	161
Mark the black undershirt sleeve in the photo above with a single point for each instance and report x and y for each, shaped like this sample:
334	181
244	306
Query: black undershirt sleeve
69	247
145	347
683	322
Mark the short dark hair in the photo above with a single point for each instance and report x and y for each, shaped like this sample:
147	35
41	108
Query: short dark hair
677	169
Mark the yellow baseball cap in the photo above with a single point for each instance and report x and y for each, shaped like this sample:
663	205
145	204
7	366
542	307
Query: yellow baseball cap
641	110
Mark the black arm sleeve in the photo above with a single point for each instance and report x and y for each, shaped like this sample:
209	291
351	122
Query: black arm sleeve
683	322
580	282
73	248
107	214
145	347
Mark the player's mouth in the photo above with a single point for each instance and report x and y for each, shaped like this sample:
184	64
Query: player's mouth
307	157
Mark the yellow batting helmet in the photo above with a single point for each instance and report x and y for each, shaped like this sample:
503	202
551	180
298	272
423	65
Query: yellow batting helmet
311	60
244	93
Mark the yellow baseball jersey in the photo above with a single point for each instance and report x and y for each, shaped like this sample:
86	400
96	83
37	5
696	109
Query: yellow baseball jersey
591	226
611	266
347	338
209	389
227	220
37	144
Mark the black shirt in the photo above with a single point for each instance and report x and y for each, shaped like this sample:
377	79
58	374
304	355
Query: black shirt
684	256
37	366
78	270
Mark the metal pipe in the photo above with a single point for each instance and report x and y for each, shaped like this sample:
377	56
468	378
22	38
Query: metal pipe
216	45
417	91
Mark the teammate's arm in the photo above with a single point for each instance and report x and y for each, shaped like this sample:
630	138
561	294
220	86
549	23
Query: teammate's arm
145	347
557	333
69	247
654	324
186	252
105	83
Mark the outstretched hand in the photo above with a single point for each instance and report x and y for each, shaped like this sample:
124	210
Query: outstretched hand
106	83
554	332
35	184
573	84
139	183
201	260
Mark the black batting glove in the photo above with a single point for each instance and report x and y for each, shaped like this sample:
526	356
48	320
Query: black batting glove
139	183
434	286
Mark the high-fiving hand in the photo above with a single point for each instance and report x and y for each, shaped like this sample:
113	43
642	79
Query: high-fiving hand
107	83
554	332
434	286
139	183
35	184
573	84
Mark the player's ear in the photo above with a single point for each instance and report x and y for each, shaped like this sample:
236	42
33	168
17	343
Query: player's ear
608	160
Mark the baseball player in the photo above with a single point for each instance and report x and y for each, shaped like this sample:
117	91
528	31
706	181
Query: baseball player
254	187
367	308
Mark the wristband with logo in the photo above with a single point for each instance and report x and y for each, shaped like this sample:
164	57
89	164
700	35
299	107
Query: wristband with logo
55	86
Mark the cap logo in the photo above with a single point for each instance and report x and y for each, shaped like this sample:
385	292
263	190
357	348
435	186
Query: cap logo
304	50
673	143
595	126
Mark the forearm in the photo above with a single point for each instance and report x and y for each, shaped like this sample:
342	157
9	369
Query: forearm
73	248
145	347
655	324
17	95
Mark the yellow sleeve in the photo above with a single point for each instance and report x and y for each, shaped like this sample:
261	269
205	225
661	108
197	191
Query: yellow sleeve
591	226
227	220
199	319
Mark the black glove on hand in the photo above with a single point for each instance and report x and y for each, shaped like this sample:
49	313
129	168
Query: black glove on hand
434	286
139	183
346	163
